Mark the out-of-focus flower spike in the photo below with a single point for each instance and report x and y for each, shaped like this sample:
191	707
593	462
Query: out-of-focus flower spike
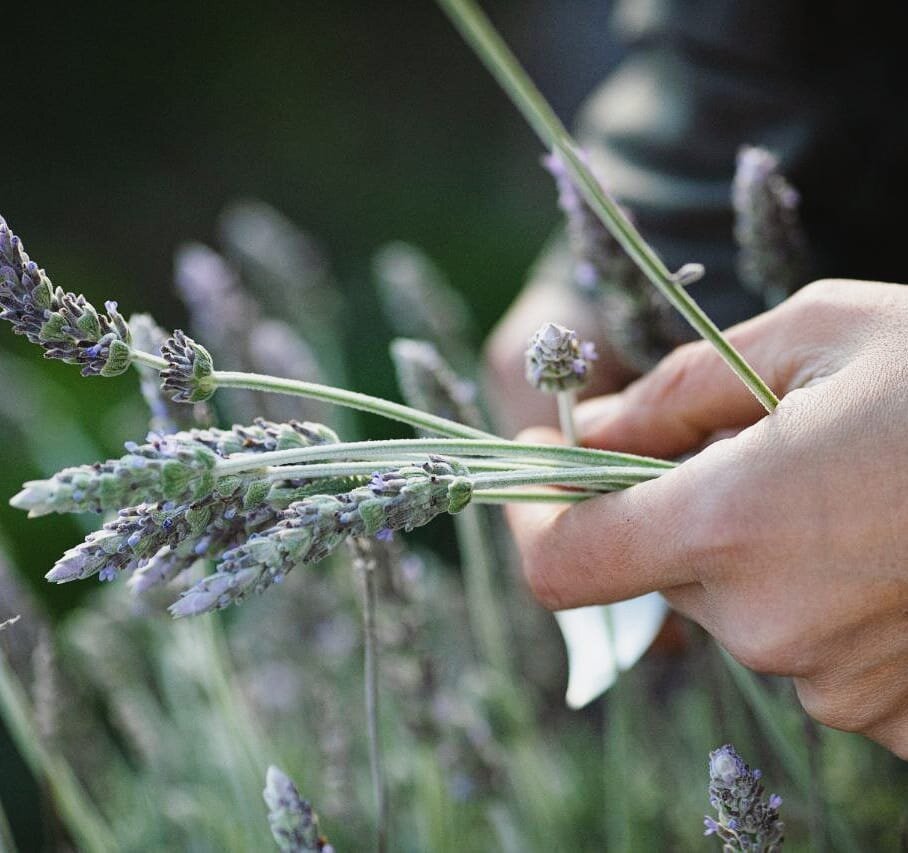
418	302
428	383
773	257
294	824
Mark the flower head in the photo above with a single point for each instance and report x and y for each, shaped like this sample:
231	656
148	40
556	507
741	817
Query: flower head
188	375
67	326
294	824
557	360
772	255
747	820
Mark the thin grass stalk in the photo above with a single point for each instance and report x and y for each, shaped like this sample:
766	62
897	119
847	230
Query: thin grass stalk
481	35
614	758
366	564
476	545
82	820
794	759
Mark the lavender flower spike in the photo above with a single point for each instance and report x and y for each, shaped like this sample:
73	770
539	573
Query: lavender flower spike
747	822
557	360
188	375
294	824
311	529
66	325
772	256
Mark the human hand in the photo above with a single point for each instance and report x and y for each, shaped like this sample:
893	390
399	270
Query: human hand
788	541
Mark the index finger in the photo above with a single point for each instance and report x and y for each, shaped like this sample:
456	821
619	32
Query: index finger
612	547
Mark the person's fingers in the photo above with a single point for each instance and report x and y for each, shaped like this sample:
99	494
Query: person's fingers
612	547
690	395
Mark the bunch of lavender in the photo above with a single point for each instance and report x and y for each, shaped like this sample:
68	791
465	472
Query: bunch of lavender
309	530
747	821
773	257
294	824
67	326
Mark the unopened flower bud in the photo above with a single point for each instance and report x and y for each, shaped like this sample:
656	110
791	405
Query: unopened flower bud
557	360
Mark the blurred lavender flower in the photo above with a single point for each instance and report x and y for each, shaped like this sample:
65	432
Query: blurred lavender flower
188	375
230	322
747	821
66	325
311	529
636	319
166	417
294	824
418	302
429	384
773	254
282	265
556	359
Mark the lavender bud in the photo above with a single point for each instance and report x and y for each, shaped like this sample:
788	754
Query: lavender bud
311	529
188	375
166	416
294	824
67	326
772	255
747	820
557	360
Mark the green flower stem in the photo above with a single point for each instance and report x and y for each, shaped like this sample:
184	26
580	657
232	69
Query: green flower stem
153	361
610	475
81	818
479	32
351	399
498	448
566	402
535	496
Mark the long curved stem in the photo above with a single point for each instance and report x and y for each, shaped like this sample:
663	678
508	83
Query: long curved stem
498	448
481	35
351	399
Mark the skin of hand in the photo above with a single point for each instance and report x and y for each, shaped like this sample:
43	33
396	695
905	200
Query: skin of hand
788	540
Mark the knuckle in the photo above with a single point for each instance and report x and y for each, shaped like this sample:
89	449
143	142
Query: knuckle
672	377
833	708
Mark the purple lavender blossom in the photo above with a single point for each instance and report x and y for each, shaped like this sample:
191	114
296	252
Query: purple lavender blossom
773	255
748	822
556	359
67	326
188	377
